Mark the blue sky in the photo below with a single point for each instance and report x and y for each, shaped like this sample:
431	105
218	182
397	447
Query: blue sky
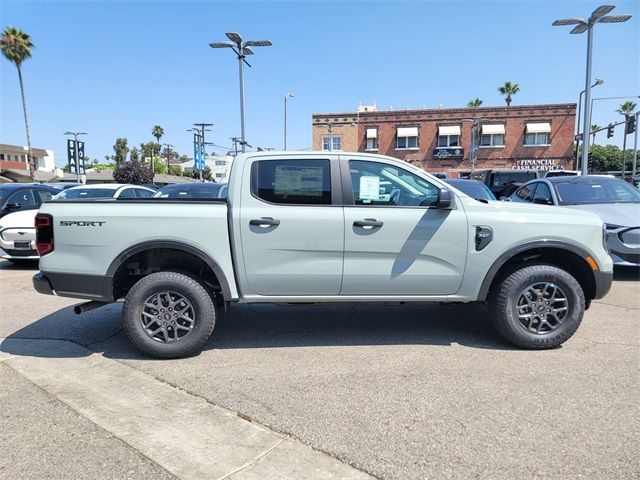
116	68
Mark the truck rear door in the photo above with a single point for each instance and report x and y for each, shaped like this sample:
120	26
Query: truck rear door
292	226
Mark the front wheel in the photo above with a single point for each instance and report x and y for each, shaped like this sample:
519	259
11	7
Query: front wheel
168	315
537	307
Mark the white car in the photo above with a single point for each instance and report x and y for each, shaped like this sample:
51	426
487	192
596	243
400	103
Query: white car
106	190
17	231
18	236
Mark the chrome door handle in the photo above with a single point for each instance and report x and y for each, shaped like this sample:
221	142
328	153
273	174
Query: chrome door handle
264	222
368	223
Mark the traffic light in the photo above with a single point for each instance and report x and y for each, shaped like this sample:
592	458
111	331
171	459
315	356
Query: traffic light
630	125
610	131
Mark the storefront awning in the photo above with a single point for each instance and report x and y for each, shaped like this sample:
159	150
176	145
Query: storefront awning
495	129
408	132
449	130
538	127
372	133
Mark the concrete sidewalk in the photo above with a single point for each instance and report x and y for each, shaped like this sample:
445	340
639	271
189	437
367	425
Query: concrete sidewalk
179	432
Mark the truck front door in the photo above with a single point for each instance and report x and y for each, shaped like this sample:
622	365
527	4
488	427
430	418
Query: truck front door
396	241
292	226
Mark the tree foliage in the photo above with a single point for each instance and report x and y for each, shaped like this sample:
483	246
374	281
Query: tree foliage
157	131
627	107
16	47
508	89
474	103
206	174
134	156
133	172
121	150
608	158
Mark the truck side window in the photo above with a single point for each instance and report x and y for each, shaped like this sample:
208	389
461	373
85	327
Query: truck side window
297	182
381	184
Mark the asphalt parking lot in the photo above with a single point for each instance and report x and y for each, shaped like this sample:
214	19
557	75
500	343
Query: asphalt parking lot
398	392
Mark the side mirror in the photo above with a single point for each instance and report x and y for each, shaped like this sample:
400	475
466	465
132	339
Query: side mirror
444	199
542	201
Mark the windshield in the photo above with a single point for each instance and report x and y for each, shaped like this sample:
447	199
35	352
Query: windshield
474	189
596	191
85	193
189	191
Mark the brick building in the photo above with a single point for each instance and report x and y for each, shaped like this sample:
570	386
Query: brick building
439	140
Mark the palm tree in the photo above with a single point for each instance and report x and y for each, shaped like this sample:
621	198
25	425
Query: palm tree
474	103
509	89
157	131
627	107
16	47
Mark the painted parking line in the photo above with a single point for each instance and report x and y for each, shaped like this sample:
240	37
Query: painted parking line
184	434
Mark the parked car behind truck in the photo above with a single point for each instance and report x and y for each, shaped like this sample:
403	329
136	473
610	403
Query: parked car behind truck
615	201
313	227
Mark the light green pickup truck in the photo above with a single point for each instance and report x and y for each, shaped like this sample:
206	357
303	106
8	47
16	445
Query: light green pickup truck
322	227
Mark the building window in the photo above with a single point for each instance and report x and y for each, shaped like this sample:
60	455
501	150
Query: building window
538	138
220	175
449	136
446	141
337	143
407	138
492	135
299	182
221	162
537	134
372	139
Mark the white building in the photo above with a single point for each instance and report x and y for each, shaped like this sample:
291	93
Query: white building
220	166
15	157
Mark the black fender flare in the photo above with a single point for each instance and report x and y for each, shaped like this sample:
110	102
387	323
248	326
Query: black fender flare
512	252
186	247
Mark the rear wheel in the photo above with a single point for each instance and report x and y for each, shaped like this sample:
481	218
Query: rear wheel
168	315
537	307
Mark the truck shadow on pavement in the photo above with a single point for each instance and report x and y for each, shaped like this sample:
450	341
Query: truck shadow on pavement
273	326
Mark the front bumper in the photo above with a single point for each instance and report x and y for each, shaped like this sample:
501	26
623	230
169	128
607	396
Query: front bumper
13	254
9	237
624	245
603	282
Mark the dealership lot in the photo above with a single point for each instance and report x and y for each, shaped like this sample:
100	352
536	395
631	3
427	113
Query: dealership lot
394	391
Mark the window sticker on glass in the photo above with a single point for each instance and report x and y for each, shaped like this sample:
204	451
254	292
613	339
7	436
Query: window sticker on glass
300	181
369	188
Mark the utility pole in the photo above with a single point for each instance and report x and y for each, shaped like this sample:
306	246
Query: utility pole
168	147
235	145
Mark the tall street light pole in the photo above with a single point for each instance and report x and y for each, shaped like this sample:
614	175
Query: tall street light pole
597	82
286	97
241	49
75	149
599	15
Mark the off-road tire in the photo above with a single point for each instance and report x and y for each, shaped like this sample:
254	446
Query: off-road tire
503	311
195	292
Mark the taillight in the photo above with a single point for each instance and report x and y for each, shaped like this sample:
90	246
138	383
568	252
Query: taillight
44	234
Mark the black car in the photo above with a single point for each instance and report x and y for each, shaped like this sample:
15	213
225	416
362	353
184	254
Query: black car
503	182
473	188
192	190
24	196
